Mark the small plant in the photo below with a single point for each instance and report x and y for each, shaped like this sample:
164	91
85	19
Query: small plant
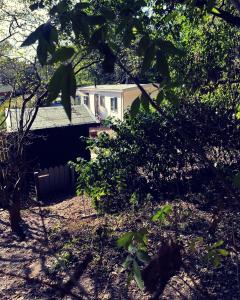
135	243
215	254
62	260
162	214
55	229
65	256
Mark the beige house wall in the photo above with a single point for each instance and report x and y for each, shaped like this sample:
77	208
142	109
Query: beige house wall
130	95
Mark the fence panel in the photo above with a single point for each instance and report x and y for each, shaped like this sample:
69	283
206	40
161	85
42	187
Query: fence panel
54	182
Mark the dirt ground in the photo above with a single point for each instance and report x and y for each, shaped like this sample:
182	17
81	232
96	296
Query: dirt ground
65	254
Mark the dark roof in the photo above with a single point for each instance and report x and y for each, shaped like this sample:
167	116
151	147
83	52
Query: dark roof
52	117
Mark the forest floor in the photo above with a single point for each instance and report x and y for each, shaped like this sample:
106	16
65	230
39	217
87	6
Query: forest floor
70	253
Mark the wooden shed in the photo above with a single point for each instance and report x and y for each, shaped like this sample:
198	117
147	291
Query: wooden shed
53	142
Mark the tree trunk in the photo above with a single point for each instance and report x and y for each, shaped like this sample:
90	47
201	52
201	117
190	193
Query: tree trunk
15	218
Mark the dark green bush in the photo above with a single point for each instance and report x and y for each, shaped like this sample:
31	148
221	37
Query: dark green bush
148	157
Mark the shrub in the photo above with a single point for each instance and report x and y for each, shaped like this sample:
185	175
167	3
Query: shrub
148	157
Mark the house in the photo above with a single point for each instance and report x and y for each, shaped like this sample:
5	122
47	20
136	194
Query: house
111	100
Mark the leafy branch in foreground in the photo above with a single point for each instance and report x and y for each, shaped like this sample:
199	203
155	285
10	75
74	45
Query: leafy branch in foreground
135	243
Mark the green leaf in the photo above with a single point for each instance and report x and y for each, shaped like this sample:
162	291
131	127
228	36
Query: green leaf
148	57
129	278
215	11
141	236
128	36
173	99
62	54
216	261
145	102
45	31
167	208
68	89
54	35
162	64
32	38
161	214
143	44
128	261
157	216
97	37
217	244
80	25
54	86
168	48
42	52
143	256
137	275
135	107
160	97
125	240
223	252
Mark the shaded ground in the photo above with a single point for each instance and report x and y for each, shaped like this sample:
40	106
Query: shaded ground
71	253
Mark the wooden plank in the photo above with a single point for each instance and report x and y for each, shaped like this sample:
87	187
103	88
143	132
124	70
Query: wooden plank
61	178
73	180
51	182
44	184
57	179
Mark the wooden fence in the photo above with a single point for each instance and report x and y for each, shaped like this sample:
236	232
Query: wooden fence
53	182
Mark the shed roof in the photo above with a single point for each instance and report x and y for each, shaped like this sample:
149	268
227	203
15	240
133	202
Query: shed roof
5	88
111	87
52	117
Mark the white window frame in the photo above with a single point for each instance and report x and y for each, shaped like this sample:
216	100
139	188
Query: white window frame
102	100
86	100
114	104
78	100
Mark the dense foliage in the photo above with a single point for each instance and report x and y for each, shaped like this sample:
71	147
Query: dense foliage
148	158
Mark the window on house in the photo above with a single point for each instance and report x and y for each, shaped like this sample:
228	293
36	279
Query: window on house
86	100
102	101
78	100
114	104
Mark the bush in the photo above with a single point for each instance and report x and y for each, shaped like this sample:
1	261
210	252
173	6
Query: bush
148	157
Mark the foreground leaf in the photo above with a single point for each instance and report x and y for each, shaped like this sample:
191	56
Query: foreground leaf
135	107
54	85
32	38
137	275
68	89
143	256
125	240
62	54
